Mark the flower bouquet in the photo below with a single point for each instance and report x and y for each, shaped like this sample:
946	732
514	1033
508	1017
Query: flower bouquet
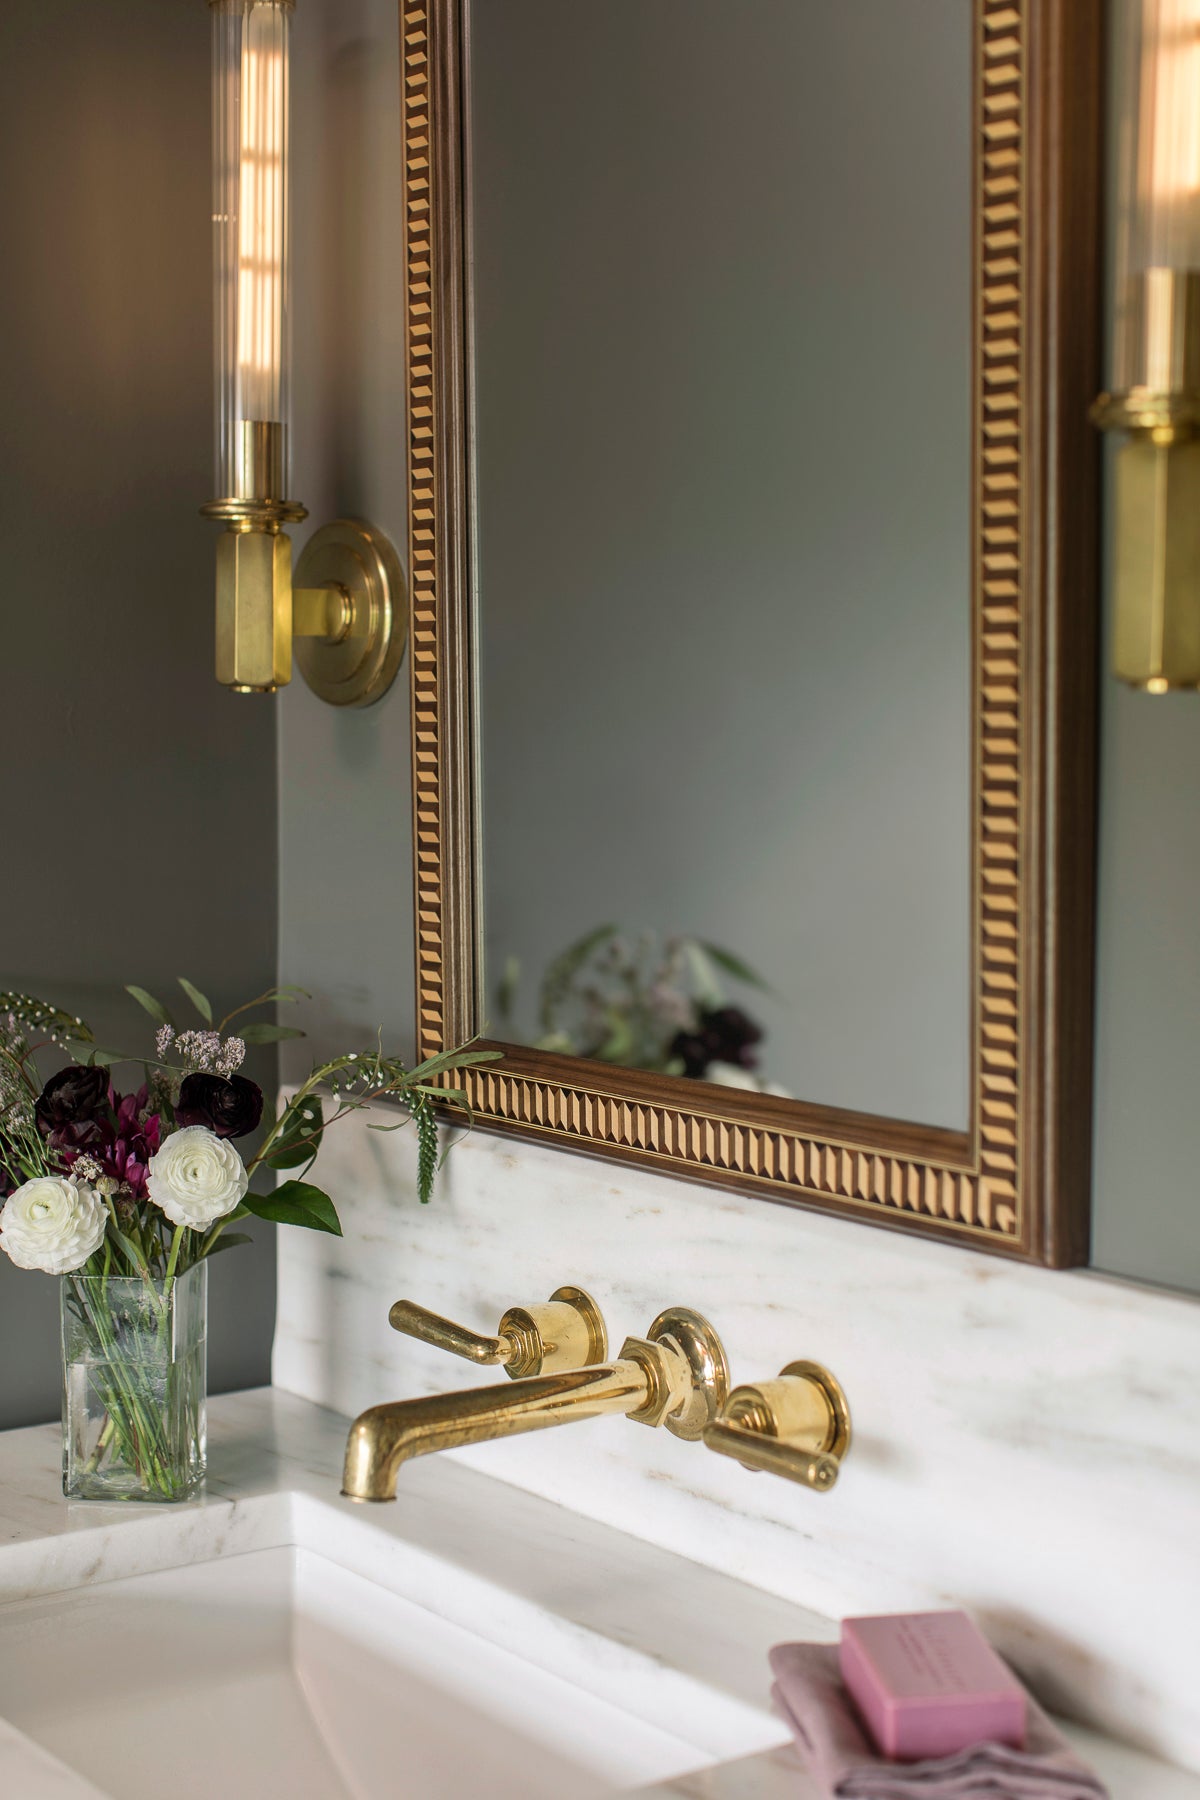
645	1004
126	1196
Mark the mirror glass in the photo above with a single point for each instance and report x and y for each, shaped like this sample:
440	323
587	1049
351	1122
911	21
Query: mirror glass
722	321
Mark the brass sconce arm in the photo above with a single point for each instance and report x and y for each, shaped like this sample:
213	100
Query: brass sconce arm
567	1332
344	612
797	1426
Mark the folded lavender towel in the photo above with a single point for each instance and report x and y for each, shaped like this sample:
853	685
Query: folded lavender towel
809	1694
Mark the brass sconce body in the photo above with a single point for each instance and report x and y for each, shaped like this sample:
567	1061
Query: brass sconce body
343	614
1155	379
342	617
1156	494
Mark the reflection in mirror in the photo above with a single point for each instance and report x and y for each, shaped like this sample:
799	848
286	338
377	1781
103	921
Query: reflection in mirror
722	334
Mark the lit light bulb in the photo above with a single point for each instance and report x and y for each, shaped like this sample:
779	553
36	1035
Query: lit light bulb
250	126
1170	128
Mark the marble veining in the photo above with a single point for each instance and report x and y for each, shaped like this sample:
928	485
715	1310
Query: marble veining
581	1601
1027	1443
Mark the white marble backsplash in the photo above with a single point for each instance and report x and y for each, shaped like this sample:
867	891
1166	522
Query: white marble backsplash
1027	1444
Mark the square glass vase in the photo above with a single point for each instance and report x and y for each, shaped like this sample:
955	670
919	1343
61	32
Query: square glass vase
135	1379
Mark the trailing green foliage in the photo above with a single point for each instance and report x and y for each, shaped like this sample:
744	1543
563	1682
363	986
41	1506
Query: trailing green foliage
425	1120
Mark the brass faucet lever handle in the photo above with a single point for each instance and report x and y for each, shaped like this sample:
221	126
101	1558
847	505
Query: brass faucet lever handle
418	1322
563	1333
797	1426
754	1451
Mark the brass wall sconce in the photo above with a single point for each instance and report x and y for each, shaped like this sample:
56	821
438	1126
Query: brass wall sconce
344	612
797	1425
1155	394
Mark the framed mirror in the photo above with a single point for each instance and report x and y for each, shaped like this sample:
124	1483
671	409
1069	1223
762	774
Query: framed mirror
753	520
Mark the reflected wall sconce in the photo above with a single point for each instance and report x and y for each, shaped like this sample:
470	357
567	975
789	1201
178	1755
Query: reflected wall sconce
344	610
1155	373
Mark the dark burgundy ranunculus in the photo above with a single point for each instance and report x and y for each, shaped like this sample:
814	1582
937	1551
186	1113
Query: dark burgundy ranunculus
122	1147
230	1108
81	1134
725	1035
76	1096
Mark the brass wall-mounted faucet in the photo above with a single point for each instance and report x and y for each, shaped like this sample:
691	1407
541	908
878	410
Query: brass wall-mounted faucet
677	1375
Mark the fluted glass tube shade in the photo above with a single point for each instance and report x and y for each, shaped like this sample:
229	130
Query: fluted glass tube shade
1156	342
252	298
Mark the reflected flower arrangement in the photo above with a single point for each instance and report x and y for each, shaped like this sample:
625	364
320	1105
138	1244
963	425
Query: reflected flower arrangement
646	1002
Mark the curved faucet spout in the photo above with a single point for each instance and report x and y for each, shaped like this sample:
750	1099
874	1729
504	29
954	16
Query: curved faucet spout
384	1437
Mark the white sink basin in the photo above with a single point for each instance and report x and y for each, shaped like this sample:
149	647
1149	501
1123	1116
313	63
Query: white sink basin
280	1672
274	1642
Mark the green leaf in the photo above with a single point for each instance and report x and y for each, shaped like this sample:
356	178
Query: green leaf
619	1043
300	1138
556	983
154	1007
427	1150
136	1260
448	1059
229	1240
35	1015
296	1203
202	1005
507	987
702	975
733	965
289	996
262	1032
97	1054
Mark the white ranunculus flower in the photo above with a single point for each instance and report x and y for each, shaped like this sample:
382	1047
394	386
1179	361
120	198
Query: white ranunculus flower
197	1177
53	1224
731	1075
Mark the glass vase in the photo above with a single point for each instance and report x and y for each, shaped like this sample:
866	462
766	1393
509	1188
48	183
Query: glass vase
135	1376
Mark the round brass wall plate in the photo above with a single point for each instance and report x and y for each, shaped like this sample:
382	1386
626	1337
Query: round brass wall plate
583	1303
839	1407
710	1369
359	666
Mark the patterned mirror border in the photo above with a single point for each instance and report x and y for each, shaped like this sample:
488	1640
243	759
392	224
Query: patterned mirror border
1018	1181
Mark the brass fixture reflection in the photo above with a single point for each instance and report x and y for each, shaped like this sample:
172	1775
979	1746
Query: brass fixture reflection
1155	378
345	610
675	1376
566	1332
797	1426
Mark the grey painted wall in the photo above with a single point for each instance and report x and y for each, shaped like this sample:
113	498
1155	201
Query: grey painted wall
139	799
344	908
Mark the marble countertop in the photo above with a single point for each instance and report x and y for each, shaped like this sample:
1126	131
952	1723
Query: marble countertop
274	1467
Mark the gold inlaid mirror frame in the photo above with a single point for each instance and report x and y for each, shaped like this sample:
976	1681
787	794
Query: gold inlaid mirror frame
1016	1182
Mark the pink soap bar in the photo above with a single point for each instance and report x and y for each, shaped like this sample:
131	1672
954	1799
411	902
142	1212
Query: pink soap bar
928	1684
